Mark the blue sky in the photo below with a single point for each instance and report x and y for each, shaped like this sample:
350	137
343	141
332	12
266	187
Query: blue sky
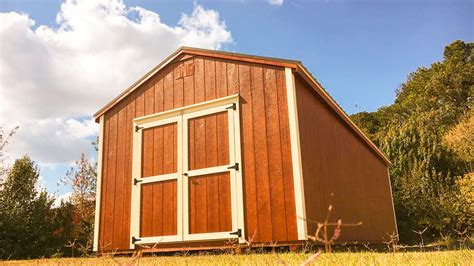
360	51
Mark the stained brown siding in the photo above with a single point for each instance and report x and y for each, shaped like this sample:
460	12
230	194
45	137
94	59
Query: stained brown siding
266	157
337	162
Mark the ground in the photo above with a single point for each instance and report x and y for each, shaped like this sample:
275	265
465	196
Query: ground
463	257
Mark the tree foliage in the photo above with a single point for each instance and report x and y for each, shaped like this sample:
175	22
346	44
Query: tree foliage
31	227
422	135
460	139
26	214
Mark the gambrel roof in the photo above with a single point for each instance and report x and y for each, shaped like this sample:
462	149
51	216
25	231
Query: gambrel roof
298	68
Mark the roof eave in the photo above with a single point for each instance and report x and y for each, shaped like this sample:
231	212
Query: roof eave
136	84
196	52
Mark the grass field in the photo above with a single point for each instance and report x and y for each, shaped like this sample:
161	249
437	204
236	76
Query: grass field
463	257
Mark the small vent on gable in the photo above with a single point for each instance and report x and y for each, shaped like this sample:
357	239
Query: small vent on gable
178	72
188	68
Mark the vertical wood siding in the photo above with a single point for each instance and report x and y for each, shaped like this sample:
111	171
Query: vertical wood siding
336	161
266	157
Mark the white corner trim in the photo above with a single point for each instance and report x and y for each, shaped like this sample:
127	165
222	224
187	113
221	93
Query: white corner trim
296	155
99	184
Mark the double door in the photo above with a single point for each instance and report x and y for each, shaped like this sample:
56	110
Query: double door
187	181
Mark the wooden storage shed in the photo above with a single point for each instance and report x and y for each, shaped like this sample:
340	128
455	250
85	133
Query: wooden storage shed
211	146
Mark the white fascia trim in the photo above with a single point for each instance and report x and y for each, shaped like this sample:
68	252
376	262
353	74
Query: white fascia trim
296	155
95	246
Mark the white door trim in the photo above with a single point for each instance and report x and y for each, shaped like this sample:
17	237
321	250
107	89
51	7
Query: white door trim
296	155
157	178
232	110
138	181
187	109
209	171
238	174
158	239
181	116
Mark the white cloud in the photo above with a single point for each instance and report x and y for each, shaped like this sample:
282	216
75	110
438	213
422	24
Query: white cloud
50	141
64	197
275	2
52	76
80	129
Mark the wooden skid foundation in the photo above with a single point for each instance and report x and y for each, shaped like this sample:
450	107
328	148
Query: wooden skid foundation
216	246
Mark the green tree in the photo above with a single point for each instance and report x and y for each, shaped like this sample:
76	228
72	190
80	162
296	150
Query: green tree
426	174
64	229
26	214
460	140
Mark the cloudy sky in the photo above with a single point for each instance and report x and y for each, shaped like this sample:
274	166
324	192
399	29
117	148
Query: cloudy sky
60	61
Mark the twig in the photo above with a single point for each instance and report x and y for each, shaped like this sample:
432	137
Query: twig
311	259
420	233
321	234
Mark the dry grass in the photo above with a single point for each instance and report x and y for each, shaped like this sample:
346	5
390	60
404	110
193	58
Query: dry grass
463	257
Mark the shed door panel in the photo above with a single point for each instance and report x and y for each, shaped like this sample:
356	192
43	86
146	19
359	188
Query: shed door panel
158	209
208	141
156	183
159	150
210	183
210	207
158	206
